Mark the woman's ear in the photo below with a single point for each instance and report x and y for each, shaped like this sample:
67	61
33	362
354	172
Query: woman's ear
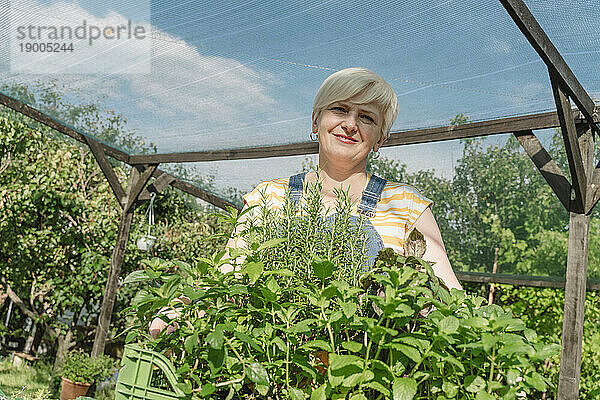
380	142
315	123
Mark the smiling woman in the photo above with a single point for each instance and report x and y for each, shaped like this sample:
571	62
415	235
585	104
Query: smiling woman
353	112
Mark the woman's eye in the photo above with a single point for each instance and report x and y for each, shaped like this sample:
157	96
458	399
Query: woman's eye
367	119
338	109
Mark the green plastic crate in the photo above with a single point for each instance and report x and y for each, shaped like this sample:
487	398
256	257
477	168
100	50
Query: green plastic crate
138	367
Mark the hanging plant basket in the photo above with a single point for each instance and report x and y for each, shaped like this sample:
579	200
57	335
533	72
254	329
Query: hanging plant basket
146	242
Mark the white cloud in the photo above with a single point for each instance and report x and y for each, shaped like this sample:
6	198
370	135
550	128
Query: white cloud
65	38
185	91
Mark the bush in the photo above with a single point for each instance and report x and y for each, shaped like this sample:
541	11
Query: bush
80	367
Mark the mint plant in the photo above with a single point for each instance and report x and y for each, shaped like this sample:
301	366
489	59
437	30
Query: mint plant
299	321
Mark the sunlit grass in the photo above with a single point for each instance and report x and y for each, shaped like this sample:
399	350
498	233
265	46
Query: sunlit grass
25	382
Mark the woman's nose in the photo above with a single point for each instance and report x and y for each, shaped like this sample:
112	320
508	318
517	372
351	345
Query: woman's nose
351	121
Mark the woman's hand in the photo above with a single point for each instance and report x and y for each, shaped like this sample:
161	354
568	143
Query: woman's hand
158	324
435	250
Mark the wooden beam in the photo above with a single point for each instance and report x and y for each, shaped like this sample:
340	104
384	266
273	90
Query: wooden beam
532	281
116	262
39	116
397	138
145	173
107	169
547	167
575	288
204	195
161	181
572	148
550	55
595	189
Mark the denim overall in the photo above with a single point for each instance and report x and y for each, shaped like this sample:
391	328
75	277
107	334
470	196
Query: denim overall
366	207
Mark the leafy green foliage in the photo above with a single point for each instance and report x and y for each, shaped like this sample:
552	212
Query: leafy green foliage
59	218
319	332
80	367
497	198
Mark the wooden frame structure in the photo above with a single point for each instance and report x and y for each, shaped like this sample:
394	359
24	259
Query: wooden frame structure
578	197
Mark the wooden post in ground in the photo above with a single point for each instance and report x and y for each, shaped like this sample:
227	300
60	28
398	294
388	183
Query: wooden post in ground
572	330
137	181
579	146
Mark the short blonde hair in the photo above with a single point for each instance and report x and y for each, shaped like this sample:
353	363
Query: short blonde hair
363	87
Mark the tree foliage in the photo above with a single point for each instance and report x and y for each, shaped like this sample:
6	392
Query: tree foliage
59	218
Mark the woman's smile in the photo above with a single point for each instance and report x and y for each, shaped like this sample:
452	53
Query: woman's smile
345	139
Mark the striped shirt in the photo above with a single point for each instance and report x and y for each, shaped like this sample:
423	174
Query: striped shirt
398	208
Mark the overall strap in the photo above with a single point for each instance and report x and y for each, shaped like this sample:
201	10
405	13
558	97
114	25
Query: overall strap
371	196
296	186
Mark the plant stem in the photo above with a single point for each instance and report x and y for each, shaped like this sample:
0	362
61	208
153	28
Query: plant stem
492	368
240	379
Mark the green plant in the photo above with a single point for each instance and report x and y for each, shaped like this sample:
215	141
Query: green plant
298	320
80	367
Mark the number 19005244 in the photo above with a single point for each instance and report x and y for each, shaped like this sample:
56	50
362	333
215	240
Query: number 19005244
50	47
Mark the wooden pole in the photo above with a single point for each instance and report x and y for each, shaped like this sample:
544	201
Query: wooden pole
110	292
577	261
572	330
137	181
494	270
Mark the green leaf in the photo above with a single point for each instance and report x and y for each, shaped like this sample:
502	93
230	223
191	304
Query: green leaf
530	335
319	393
484	396
296	394
404	389
302	362
354	347
322	268
476	322
511	376
317	344
474	383
207	390
185	387
345	370
449	324
216	358
407	350
377	386
190	343
257	374
262	389
450	389
254	270
348	308
358	396
215	339
488	341
516	349
273	286
136	276
537	381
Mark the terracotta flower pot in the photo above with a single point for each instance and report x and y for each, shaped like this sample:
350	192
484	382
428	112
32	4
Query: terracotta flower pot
72	390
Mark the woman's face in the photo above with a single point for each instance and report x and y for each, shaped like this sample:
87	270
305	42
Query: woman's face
348	131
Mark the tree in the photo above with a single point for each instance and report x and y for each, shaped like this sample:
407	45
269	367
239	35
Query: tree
59	219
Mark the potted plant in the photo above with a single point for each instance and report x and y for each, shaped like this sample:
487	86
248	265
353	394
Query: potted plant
80	371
